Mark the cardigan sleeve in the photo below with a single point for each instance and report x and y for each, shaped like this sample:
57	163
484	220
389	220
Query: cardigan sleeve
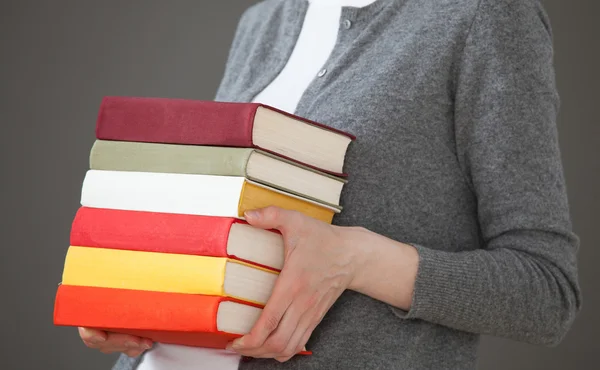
522	283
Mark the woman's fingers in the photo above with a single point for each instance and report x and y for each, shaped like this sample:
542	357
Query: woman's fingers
307	325
128	342
316	271
308	322
92	337
282	342
114	342
270	317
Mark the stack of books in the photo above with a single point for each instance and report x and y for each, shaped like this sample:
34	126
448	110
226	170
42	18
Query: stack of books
159	247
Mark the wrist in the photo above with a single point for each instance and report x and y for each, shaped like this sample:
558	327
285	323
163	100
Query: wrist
382	268
355	241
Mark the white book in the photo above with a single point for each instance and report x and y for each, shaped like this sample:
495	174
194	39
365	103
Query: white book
208	195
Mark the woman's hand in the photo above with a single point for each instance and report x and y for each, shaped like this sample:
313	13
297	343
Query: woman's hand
113	342
321	261
318	268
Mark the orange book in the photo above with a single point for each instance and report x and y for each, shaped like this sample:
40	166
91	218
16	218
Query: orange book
187	319
174	318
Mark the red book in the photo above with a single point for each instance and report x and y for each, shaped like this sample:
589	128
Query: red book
177	233
250	125
185	319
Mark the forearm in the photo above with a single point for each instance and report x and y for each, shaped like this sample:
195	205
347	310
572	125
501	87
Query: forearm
385	269
502	290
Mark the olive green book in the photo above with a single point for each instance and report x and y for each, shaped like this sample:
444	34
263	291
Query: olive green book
254	164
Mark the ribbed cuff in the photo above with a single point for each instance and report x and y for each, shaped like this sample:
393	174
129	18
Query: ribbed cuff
445	285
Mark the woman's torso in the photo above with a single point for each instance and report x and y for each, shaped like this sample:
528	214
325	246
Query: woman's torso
389	81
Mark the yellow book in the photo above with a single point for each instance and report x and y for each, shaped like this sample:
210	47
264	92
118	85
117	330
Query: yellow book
165	272
255	196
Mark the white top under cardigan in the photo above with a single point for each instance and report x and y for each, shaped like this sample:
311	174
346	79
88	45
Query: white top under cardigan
315	43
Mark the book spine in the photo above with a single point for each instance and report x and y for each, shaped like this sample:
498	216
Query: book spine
163	192
151	232
134	309
168	158
176	121
184	319
159	272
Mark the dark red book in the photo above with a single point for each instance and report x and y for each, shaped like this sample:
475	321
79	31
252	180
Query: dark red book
177	233
250	125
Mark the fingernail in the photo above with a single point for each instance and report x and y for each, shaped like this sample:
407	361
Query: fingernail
146	345
251	214
229	347
131	345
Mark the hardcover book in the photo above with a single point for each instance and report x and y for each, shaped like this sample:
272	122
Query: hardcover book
222	196
249	125
254	164
176	233
167	272
185	319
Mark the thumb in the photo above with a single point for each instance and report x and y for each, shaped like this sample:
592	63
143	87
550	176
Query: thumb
268	218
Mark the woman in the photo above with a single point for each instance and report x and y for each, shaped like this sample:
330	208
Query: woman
455	219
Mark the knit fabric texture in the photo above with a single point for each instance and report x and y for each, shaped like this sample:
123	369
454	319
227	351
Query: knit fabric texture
454	105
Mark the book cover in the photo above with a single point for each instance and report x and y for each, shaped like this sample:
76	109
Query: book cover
205	160
183	121
163	272
184	319
221	196
158	232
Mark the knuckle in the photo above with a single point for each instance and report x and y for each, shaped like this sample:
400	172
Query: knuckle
300	284
271	323
272	212
277	346
305	284
278	349
312	300
302	219
132	344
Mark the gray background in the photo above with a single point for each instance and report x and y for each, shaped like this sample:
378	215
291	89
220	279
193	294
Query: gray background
58	58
